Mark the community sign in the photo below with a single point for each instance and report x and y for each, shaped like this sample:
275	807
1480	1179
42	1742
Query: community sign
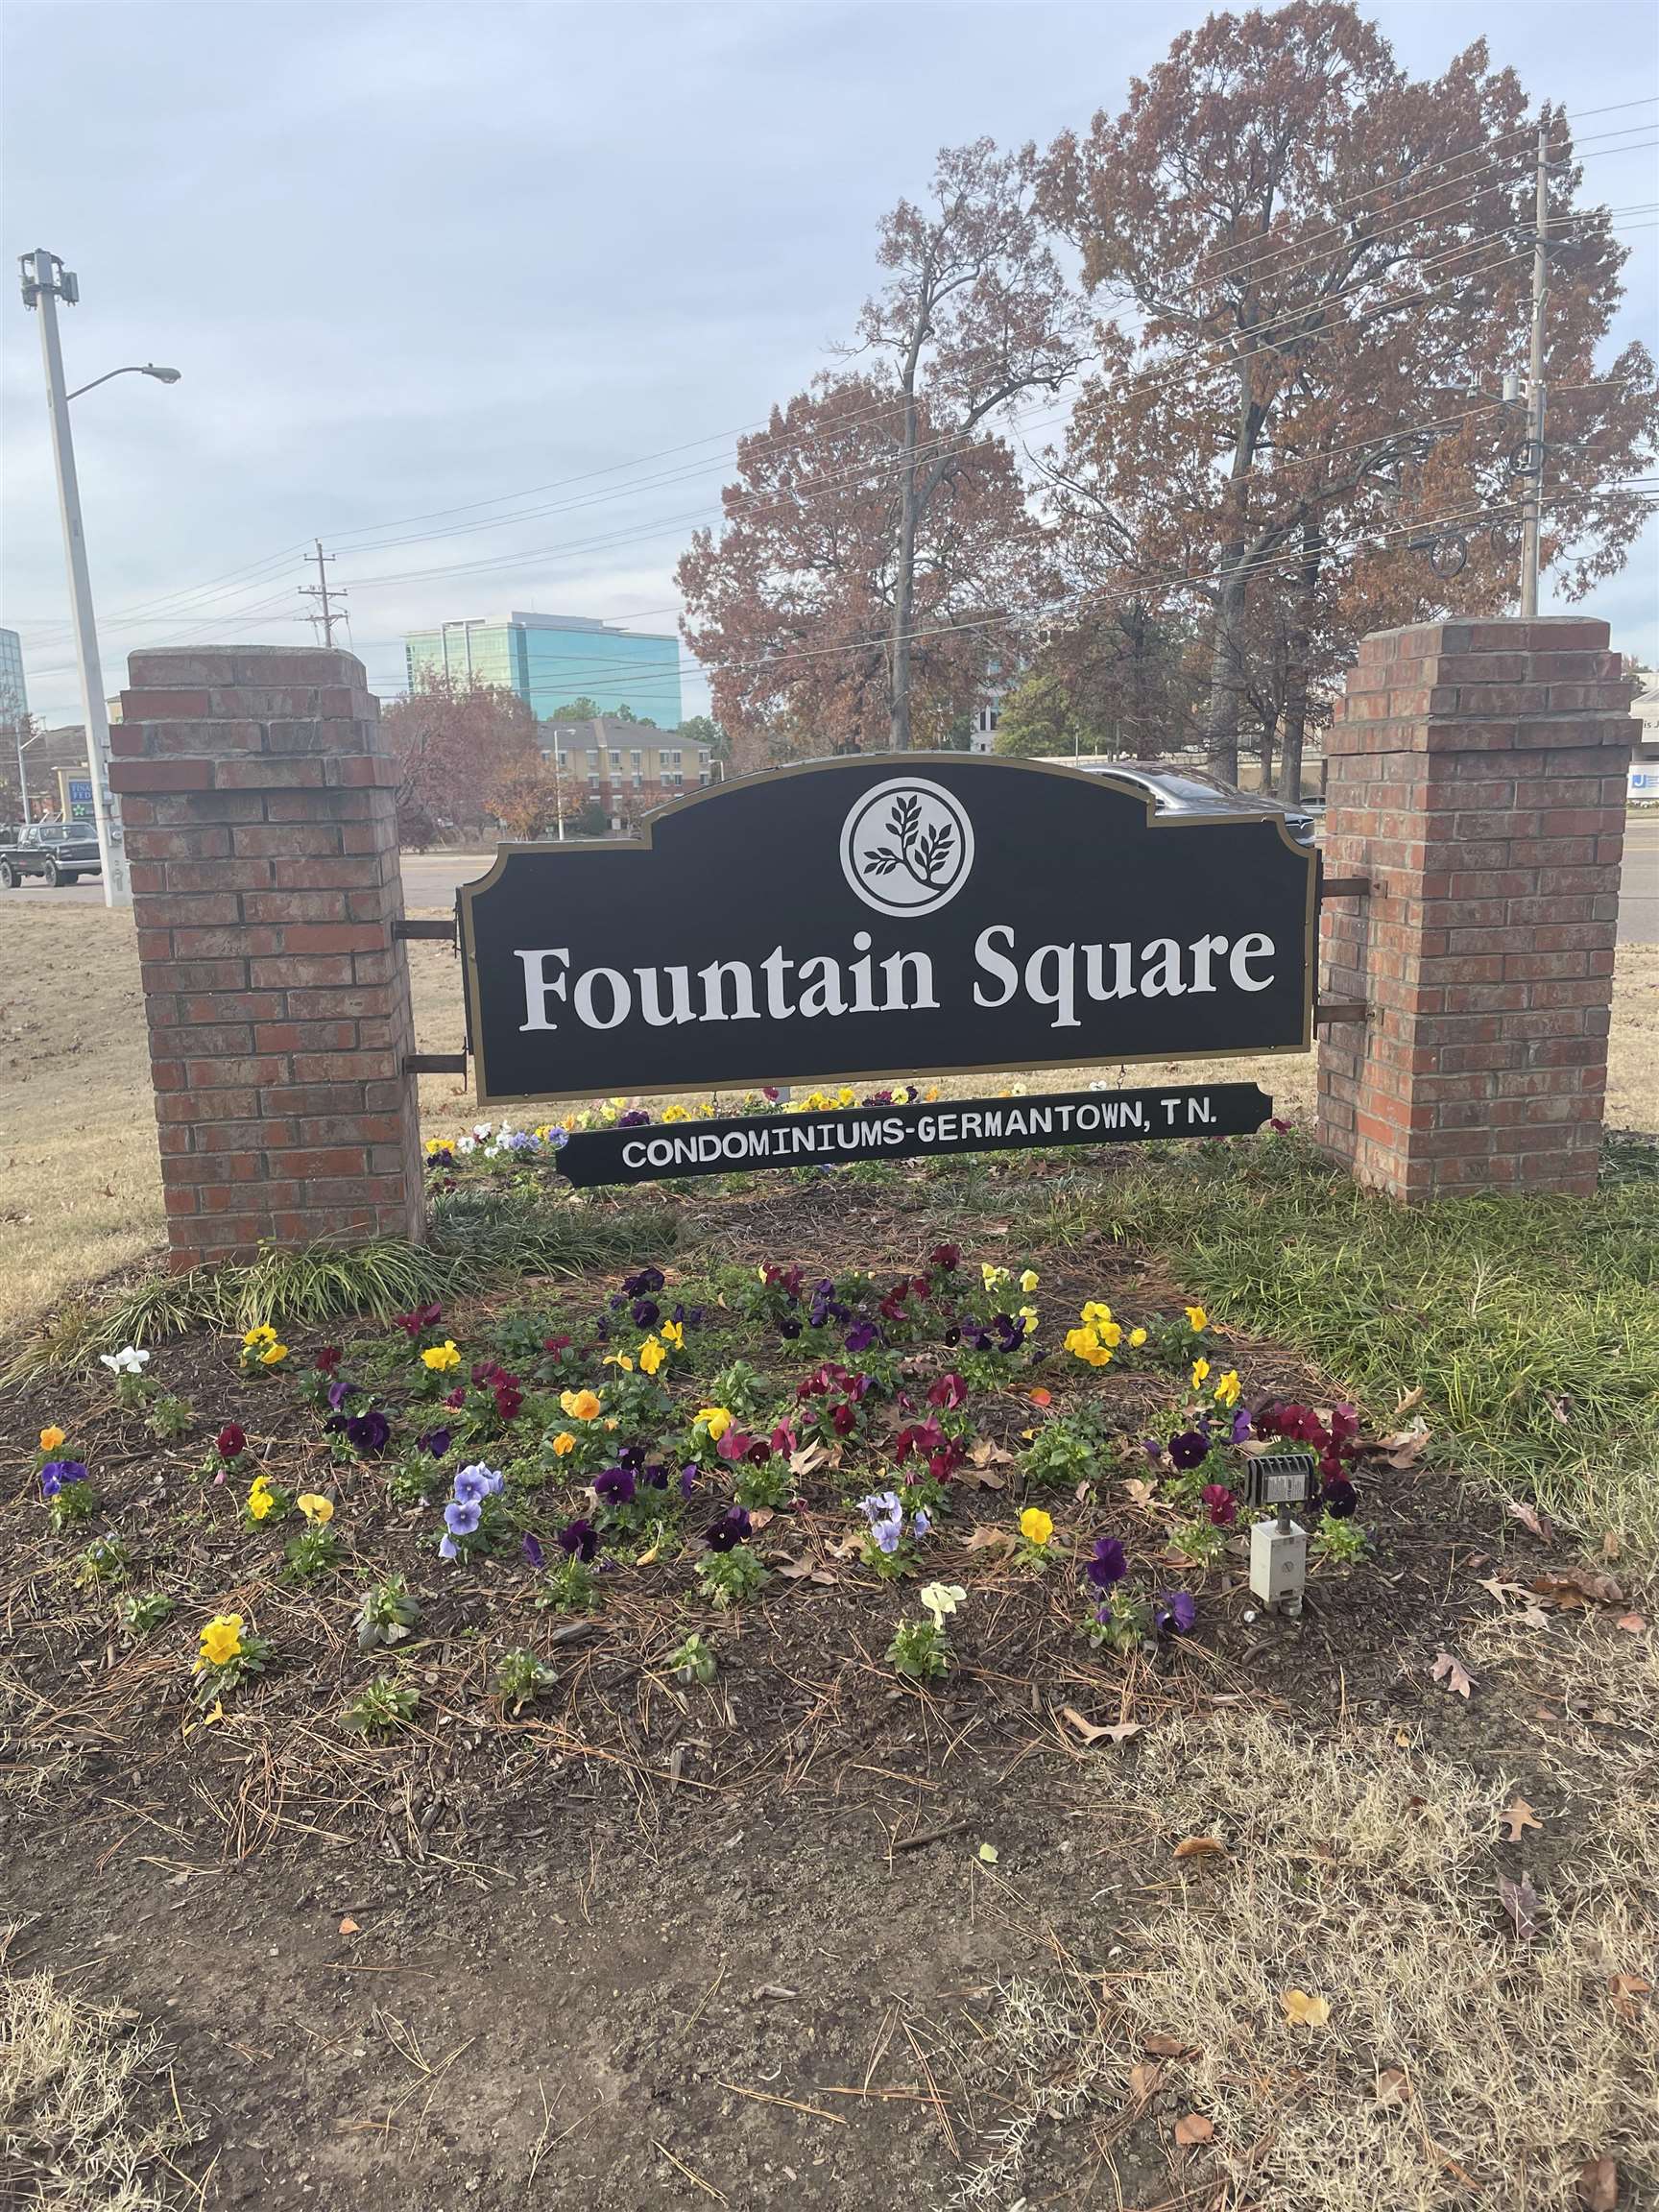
850	919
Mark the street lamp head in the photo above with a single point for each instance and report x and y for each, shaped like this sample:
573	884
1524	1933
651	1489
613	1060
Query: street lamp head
163	375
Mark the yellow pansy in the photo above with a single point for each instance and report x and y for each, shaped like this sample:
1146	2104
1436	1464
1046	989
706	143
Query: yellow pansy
845	1096
222	1638
580	1404
1228	1388
263	1334
564	1443
1136	1338
272	1355
1028	1314
259	1499
1199	1319
1036	1525
675	1113
1095	1310
651	1356
993	1278
673	1333
441	1358
1084	1344
622	1360
715	1420
1200	1368
51	1438
1028	1281
317	1509
931	1093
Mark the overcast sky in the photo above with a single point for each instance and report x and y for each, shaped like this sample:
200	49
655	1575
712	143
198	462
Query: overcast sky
412	258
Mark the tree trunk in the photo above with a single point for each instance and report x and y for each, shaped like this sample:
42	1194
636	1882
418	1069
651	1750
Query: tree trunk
1226	673
1268	728
1297	673
904	587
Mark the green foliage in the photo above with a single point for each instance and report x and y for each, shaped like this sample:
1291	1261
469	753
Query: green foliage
740	1388
694	1660
478	1236
1531	1324
728	1578
170	1417
385	1707
140	1613
388	1614
1341	1542
764	1488
568	1587
519	1675
75	1501
1066	1451
920	1649
313	1551
106	1559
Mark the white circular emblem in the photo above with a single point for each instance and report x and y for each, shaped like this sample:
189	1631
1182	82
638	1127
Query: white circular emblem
906	847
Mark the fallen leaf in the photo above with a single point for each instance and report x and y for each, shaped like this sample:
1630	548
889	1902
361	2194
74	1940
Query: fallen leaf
1519	1815
1625	1989
1167	2047
1453	1673
1406	1446
1633	1623
807	1459
1521	1902
1119	1732
1612	1544
1303	2010
1407	1402
849	1548
1200	1847
762	1516
1529	1517
1193	2128
983	1452
1598	2185
806	1570
986	1539
1574	1585
1143	2081
649	1558
1140	1493
1392	2086
1495	1587
1042	1397
988	1852
347	1926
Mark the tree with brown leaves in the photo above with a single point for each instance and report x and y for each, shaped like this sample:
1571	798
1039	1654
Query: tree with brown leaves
464	750
791	602
1327	264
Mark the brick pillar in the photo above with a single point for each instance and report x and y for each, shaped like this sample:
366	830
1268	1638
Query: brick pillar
1477	774
259	804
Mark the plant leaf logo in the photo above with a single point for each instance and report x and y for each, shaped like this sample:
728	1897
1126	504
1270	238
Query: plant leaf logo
906	846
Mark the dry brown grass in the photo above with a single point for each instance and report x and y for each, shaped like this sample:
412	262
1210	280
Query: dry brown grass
1461	2065
80	1172
84	2121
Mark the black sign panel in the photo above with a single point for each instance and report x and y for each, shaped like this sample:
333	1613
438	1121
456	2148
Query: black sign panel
903	914
890	1131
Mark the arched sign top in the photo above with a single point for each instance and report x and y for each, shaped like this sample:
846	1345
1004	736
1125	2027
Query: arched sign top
894	914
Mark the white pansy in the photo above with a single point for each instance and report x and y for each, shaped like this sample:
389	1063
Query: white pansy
128	1361
942	1599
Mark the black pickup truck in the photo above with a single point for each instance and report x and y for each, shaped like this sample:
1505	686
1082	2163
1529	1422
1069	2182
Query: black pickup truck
57	851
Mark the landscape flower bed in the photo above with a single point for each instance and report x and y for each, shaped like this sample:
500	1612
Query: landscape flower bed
698	1443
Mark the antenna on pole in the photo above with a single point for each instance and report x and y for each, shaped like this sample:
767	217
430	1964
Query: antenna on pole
328	612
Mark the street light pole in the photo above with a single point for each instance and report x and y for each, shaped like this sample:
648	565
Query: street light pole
46	281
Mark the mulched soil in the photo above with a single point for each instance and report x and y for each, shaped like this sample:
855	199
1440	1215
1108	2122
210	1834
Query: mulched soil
645	1945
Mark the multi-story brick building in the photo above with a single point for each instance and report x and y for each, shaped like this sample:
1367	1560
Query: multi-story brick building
623	768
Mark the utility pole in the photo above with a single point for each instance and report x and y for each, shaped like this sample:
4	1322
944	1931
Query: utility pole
327	615
46	281
1533	493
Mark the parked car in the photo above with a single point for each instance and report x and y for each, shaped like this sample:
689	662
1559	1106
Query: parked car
1180	789
57	851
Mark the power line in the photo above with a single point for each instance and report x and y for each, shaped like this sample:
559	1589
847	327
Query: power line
327	615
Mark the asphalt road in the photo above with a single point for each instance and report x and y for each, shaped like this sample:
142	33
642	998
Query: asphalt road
429	880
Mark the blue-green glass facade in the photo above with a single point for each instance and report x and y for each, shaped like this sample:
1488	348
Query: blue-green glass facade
551	659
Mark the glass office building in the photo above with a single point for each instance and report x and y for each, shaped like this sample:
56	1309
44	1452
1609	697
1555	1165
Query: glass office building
13	693
552	659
